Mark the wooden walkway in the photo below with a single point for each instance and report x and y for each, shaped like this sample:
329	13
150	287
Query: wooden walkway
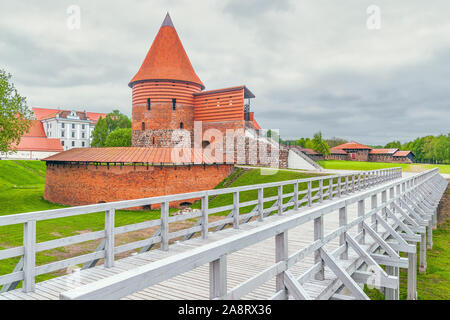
241	265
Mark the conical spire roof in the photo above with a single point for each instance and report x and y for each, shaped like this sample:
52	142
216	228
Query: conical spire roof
166	59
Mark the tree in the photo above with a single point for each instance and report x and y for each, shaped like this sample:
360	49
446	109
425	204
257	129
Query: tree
100	133
393	145
320	145
335	141
113	120
116	119
15	116
120	137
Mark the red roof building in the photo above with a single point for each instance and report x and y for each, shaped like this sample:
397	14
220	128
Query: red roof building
359	152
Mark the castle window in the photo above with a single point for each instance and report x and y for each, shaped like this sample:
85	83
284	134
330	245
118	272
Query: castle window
181	125
153	140
148	104
62	133
82	144
73	143
73	126
62	143
62	125
143	125
174	104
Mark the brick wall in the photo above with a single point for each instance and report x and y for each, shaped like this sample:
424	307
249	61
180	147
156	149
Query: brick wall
80	185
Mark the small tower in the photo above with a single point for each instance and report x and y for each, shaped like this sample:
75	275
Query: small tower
163	89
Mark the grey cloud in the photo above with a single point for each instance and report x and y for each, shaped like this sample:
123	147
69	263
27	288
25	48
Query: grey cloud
312	65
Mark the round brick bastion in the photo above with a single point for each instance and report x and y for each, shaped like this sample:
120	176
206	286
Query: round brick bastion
80	183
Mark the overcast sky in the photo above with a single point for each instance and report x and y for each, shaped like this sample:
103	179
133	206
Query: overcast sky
313	65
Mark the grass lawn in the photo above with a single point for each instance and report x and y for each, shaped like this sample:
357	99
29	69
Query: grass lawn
360	165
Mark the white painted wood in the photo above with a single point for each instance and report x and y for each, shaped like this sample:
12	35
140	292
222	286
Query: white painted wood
109	237
29	257
318	235
218	277
342	237
165	226
205	217
412	276
236	210
343	276
281	254
294	288
261	203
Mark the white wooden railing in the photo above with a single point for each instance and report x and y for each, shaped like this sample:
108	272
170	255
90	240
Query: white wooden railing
405	218
327	188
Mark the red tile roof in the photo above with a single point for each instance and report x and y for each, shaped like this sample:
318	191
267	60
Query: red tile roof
36	130
41	113
337	151
402	153
39	144
45	113
352	145
383	151
167	59
130	155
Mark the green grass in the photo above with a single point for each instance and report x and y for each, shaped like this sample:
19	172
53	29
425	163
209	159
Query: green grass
360	165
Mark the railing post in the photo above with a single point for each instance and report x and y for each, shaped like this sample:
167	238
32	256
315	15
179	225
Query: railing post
353	182
218	277
343	223
281	254
318	235
29	256
165	226
339	186
373	206
236	210
309	193
330	189
295	195
361	212
109	237
358	187
430	235
346	185
412	276
320	190
280	200
423	253
261	204
205	216
384	200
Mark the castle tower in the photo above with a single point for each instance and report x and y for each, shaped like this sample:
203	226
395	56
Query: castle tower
163	91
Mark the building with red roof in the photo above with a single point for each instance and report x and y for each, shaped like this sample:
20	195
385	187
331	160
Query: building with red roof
73	128
34	144
359	152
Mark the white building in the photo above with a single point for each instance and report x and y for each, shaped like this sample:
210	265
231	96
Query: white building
73	128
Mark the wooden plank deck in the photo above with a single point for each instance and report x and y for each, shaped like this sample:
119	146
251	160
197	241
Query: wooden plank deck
194	284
